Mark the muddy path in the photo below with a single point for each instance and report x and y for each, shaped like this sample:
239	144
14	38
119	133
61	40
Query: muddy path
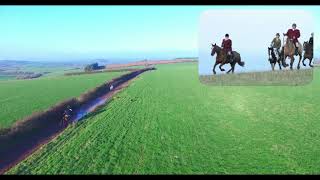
33	132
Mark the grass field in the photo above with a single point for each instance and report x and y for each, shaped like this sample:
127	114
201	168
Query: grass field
167	122
19	98
5	77
266	78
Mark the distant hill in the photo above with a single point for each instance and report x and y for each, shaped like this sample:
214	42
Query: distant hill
192	58
149	63
11	63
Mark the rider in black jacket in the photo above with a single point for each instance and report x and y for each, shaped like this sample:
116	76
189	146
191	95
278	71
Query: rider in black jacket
311	40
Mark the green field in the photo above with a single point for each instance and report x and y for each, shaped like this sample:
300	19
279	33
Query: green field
5	77
167	122
19	98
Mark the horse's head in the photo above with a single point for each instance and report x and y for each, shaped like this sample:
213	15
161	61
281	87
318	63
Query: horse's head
214	49
289	43
288	40
271	52
305	45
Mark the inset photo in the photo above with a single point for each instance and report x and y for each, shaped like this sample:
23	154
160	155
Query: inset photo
256	47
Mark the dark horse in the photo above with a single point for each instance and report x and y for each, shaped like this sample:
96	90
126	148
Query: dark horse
222	58
308	53
273	59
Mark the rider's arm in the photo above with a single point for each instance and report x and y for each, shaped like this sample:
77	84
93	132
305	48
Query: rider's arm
298	34
222	44
272	42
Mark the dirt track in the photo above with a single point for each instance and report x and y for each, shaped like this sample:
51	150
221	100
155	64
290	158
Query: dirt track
21	141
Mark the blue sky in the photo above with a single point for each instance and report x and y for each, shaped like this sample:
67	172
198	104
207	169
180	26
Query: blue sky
86	32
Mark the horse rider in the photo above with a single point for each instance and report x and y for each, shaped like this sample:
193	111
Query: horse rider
227	47
67	114
293	34
276	44
311	40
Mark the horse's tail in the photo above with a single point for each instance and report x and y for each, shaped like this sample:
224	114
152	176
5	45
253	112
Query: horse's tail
241	63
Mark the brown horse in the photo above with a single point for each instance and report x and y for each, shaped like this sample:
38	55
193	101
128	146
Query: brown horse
289	51
308	53
222	59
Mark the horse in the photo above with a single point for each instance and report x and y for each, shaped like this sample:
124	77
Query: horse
289	51
64	120
66	116
308	53
222	59
273	59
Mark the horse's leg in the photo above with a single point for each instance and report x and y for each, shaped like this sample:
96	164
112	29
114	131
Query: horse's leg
233	67
304	58
272	66
279	64
300	57
231	64
310	62
214	67
220	67
291	62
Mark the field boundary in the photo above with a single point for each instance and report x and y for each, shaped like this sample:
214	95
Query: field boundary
29	134
134	66
102	71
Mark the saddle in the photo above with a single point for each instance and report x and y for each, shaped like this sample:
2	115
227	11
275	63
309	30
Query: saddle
228	58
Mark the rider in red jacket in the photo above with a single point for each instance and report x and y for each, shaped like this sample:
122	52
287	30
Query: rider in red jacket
293	34
227	46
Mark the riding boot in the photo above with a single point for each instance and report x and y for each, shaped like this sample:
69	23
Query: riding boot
296	51
228	58
279	54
